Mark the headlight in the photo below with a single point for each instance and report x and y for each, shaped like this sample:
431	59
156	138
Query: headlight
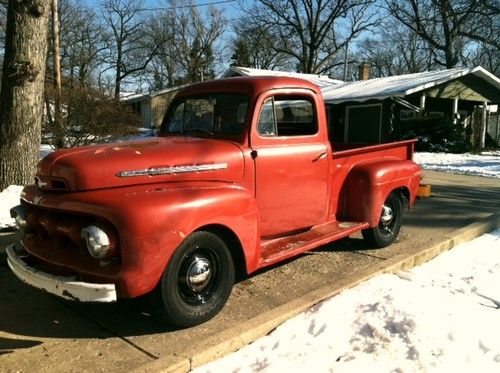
97	240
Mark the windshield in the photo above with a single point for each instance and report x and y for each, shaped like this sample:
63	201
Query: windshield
212	114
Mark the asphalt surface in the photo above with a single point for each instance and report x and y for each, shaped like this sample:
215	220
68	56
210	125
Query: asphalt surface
41	333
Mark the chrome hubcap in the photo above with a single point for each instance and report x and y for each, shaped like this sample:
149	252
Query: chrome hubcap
387	215
198	274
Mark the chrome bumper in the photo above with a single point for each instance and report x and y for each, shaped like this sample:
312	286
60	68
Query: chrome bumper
65	287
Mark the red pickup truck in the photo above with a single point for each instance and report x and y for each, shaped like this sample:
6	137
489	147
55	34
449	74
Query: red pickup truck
242	175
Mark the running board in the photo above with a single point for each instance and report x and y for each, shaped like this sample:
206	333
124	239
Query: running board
277	249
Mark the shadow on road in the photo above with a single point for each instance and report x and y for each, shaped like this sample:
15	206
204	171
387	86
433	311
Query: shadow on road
8	345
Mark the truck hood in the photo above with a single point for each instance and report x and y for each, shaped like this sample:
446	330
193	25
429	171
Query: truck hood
154	160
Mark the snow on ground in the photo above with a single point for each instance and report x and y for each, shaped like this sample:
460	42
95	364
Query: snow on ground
485	164
8	199
45	149
443	316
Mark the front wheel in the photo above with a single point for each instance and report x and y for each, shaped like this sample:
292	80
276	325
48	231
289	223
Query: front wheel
197	281
387	230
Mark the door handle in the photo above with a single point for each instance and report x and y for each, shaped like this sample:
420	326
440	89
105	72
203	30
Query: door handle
320	157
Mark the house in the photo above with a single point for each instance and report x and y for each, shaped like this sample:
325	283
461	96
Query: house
151	106
376	110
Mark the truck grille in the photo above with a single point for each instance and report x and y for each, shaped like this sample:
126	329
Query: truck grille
55	231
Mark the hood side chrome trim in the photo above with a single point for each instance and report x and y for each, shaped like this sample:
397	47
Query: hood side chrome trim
173	170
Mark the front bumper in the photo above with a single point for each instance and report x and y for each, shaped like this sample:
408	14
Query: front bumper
65	287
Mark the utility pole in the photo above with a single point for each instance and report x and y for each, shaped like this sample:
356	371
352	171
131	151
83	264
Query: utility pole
346	63
58	127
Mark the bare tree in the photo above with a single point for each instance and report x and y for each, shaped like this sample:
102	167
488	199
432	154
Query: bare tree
96	117
21	96
486	56
394	51
313	32
164	68
83	43
448	26
256	45
132	46
191	52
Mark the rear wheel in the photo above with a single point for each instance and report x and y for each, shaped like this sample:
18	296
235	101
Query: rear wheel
387	230
197	281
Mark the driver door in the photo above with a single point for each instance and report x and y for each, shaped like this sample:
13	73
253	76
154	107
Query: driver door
291	164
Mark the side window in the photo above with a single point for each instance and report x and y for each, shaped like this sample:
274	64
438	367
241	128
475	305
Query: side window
287	116
267	119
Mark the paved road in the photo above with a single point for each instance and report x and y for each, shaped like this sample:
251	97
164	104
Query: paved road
40	333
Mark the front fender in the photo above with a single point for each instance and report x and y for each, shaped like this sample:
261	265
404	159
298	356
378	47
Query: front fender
367	186
152	221
168	215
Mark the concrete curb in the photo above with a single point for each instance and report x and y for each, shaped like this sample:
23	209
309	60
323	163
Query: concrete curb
242	334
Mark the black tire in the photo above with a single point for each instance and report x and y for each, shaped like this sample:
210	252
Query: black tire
197	281
387	230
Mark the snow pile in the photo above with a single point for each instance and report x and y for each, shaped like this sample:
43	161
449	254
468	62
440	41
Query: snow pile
486	164
8	199
45	149
443	316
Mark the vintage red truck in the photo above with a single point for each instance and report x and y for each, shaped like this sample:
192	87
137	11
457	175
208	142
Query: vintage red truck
242	175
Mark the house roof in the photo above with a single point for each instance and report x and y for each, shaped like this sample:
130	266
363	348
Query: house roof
336	91
401	85
130	97
322	81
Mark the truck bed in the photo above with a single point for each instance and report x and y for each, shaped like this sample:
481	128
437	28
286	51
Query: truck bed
342	150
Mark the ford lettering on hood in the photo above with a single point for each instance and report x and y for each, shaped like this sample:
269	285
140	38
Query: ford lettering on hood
160	159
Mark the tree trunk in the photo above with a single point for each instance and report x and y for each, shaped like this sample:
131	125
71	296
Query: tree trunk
21	97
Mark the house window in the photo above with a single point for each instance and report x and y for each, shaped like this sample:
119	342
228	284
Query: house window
436	114
363	124
406	115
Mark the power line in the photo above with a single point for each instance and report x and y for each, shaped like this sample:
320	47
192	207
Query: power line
180	6
193	5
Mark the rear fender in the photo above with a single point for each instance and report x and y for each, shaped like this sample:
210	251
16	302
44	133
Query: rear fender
367	186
